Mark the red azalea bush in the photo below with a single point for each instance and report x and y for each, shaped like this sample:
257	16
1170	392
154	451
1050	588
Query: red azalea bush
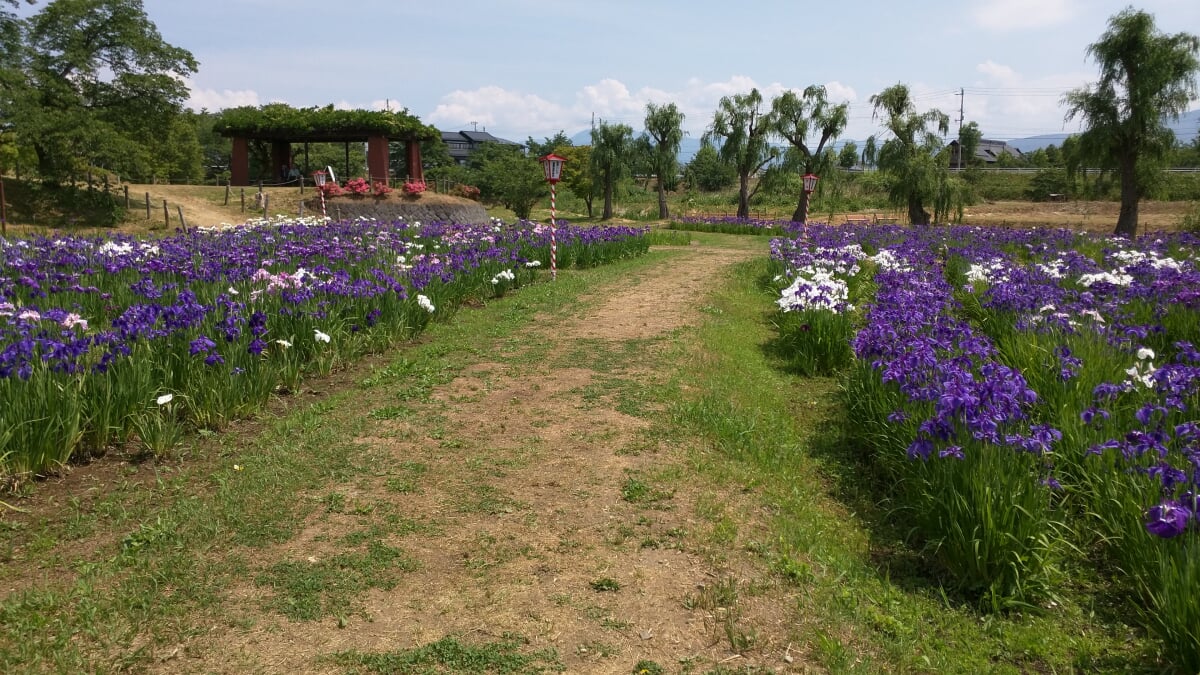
414	187
358	187
331	189
468	191
381	187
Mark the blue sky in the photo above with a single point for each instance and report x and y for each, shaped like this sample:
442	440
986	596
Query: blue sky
530	68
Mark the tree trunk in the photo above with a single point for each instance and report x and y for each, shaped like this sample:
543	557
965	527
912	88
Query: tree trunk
588	200
743	196
801	214
1127	219
917	215
663	212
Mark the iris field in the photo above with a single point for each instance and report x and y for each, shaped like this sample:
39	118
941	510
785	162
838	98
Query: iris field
112	340
1025	401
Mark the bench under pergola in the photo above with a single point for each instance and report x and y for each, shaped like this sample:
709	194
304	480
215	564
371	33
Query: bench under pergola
282	125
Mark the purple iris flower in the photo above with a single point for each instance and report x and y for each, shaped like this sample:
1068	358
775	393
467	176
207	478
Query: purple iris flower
1167	520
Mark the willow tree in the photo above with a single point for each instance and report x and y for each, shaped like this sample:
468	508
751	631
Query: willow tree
664	126
611	145
741	131
796	117
1145	78
912	157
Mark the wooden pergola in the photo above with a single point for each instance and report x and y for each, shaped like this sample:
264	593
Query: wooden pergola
378	154
281	126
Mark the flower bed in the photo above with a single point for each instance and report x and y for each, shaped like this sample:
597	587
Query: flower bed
99	330
1027	400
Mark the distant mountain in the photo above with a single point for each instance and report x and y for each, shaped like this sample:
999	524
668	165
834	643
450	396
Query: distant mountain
687	149
1186	128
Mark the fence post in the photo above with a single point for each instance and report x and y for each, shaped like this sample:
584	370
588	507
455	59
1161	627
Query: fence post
301	185
147	206
243	200
126	197
182	222
227	194
166	214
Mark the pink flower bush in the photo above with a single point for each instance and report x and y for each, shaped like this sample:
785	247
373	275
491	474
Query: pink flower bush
358	187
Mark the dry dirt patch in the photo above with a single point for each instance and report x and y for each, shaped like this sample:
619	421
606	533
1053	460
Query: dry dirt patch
556	520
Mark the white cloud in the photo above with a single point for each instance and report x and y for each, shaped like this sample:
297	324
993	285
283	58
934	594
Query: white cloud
1007	104
213	100
503	110
1009	15
517	113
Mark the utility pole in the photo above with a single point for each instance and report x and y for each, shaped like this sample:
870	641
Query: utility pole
962	99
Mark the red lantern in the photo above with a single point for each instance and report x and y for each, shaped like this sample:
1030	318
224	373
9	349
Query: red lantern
810	182
552	167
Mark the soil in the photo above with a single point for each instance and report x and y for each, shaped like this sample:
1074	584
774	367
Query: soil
559	461
554	460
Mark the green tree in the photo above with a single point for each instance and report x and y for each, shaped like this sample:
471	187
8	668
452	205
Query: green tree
548	145
848	155
508	177
911	157
1145	76
741	131
98	85
664	125
611	146
706	172
795	117
577	173
969	138
178	155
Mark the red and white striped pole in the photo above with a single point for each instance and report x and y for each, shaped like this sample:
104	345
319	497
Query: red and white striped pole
552	166
553	237
319	179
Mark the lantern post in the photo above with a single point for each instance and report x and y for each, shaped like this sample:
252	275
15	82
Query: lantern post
319	179
810	184
552	168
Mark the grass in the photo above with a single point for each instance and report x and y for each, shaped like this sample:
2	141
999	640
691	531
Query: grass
147	559
452	654
100	604
872	604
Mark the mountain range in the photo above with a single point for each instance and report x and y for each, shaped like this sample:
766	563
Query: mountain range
1186	129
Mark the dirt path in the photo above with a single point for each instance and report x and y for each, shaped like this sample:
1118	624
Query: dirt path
535	504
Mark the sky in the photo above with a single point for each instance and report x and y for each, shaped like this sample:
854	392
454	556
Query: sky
525	68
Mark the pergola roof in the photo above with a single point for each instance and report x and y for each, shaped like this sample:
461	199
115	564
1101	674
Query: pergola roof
281	122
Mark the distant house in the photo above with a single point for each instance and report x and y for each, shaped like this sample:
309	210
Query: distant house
462	143
988	152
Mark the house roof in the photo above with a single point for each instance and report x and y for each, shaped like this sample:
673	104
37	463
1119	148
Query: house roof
991	150
475	137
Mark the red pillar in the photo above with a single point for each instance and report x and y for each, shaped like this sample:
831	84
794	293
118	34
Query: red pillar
377	158
413	149
239	162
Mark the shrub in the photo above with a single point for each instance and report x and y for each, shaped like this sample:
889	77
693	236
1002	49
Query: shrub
358	187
